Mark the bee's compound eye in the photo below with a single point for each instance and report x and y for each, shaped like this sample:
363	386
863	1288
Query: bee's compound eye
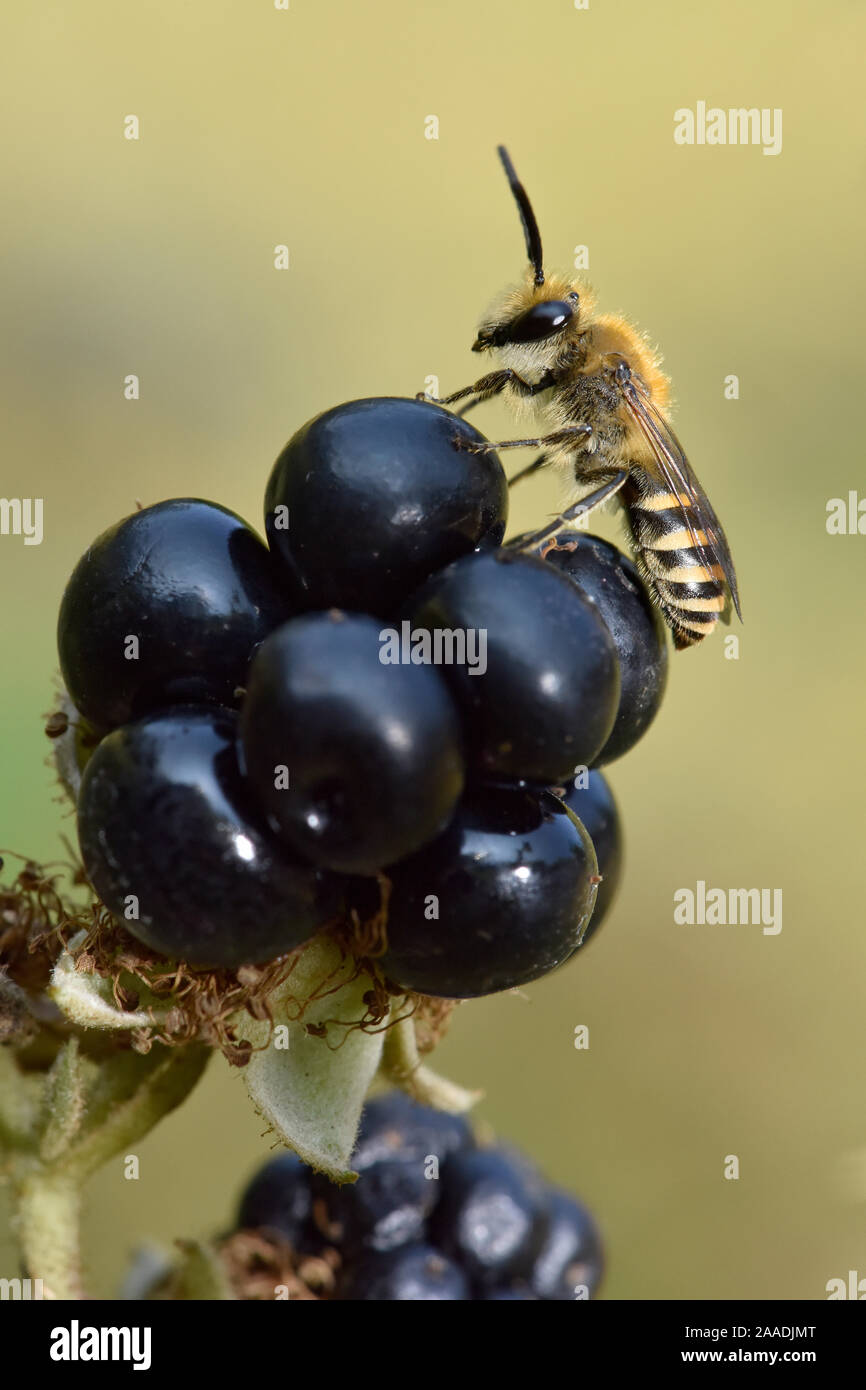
539	322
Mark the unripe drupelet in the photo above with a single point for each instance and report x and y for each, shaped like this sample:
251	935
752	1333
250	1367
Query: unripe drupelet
279	1199
569	1259
387	1207
488	1219
392	1200
394	1126
411	1274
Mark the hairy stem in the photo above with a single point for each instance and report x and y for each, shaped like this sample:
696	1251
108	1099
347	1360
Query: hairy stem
46	1223
91	1112
402	1066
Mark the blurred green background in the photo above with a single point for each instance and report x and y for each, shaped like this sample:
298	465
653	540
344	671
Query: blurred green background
155	257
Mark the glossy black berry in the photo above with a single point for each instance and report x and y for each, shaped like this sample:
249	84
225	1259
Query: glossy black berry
357	761
568	1264
395	1127
610	579
542	694
175	850
166	607
595	807
371	497
412	1274
279	1199
487	1219
499	899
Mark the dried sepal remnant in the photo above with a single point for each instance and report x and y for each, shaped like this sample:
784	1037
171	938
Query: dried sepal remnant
262	1267
36	921
432	1019
365	934
366	939
54	945
168	1001
172	1003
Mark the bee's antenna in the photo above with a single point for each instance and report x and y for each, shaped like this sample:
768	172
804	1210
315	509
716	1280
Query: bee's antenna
527	216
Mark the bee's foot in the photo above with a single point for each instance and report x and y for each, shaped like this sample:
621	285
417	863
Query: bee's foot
470	446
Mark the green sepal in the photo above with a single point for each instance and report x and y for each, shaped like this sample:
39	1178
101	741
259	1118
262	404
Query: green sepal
309	1077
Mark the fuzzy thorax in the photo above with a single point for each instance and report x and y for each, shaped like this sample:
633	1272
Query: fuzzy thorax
578	350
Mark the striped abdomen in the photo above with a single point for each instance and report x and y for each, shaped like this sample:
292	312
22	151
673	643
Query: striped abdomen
690	595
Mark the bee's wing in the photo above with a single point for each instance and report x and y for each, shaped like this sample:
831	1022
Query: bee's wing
679	478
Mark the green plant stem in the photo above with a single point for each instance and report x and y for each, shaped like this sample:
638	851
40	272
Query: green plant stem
91	1113
402	1066
47	1225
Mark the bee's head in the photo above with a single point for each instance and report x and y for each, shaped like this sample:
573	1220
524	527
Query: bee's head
531	315
530	325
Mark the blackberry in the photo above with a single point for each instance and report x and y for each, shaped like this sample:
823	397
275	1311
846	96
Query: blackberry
487	1227
274	755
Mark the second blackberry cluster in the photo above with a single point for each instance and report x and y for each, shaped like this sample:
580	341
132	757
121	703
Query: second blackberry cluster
433	1216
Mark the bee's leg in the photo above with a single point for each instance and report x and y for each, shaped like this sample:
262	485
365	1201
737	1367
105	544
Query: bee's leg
581	508
533	467
569	434
491	385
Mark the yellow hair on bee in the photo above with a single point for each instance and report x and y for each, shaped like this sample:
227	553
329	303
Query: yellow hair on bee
613	333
